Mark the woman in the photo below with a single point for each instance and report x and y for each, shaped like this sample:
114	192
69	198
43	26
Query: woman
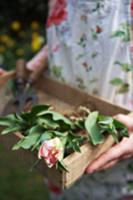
90	47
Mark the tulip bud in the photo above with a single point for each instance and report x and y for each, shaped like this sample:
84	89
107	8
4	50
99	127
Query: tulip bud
52	151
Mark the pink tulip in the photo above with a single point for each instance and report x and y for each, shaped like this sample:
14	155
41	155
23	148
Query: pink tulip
52	151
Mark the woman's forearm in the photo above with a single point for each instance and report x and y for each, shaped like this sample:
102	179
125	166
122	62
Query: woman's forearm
41	58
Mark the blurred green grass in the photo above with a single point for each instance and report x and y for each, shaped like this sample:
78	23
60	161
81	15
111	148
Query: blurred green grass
16	182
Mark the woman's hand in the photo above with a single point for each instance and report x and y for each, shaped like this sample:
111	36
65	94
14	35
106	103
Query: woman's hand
2	71
120	151
41	58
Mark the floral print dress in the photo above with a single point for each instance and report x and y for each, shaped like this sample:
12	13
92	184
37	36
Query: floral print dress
90	47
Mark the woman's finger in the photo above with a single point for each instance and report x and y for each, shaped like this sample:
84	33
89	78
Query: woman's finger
126	156
110	164
111	155
114	162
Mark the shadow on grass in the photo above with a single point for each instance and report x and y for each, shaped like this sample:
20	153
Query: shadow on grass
16	182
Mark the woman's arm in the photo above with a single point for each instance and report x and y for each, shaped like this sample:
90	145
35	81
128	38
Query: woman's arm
41	58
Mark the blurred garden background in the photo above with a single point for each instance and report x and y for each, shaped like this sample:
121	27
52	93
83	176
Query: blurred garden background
22	34
22	29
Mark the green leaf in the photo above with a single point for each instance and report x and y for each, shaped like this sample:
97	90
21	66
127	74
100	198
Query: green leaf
35	129
115	137
59	134
93	128
19	118
60	165
46	136
8	120
37	144
107	125
27	142
28	117
124	132
63	121
10	130
47	122
74	141
56	116
39	108
79	124
56	133
122	129
21	122
105	120
114	127
76	147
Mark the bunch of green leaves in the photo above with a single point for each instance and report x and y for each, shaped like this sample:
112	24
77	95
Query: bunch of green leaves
99	125
38	125
42	123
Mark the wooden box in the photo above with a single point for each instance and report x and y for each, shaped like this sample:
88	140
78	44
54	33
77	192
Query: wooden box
64	98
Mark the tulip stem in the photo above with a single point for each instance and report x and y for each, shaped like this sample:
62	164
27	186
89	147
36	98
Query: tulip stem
35	164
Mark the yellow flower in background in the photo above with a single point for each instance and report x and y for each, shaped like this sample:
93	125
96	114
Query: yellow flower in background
10	43
35	25
2	48
22	34
36	42
35	35
15	26
20	52
4	38
7	40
